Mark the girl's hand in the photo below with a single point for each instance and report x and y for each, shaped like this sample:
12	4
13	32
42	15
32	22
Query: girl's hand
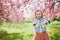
36	25
44	23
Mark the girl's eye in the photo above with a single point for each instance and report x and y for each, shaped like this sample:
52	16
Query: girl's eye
37	14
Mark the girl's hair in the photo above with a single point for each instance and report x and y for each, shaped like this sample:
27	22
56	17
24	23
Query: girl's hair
38	11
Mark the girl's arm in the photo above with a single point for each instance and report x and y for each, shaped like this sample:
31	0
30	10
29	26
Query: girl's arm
35	24
45	22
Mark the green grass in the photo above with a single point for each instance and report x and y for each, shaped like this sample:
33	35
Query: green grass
13	27
25	31
54	30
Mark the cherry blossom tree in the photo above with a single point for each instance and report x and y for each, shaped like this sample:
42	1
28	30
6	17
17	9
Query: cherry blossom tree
18	10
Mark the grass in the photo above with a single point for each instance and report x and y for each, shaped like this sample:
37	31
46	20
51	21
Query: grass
24	31
13	27
53	30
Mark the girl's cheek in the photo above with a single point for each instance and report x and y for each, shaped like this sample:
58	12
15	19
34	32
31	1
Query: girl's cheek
40	15
37	16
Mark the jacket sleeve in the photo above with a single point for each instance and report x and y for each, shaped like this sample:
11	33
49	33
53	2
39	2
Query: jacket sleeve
46	21
34	22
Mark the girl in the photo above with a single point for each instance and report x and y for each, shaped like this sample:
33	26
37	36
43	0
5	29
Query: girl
40	26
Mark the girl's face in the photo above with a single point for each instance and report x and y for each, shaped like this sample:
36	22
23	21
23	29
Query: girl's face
38	14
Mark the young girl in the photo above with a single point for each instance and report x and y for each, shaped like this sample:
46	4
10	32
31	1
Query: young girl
40	26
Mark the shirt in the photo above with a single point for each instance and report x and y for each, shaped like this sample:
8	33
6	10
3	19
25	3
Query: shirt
40	24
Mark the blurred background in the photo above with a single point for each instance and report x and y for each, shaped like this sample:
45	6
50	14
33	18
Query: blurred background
16	17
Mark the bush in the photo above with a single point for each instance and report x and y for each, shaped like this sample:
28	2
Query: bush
58	19
29	21
10	36
14	36
3	35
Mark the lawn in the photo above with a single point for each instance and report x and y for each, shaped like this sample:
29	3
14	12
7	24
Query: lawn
25	31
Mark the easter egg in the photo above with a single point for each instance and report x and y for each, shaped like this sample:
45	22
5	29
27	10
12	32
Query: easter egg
42	26
36	25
